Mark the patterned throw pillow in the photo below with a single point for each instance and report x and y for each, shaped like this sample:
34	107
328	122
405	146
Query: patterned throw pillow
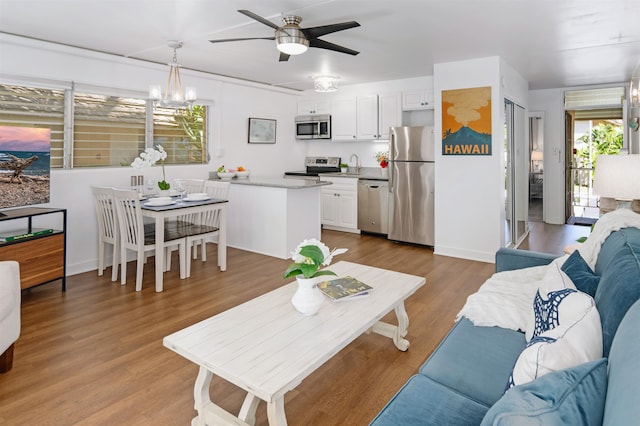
551	306
576	338
546	313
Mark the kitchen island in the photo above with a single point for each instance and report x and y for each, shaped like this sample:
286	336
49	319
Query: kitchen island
271	216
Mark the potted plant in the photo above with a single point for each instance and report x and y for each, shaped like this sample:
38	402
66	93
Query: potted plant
382	158
344	167
148	158
308	257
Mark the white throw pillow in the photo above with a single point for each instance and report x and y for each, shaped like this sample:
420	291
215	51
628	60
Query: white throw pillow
549	307
569	344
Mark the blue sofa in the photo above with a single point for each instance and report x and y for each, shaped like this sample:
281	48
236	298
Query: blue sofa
464	379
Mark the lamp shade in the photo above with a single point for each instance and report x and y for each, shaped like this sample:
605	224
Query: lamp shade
617	176
537	156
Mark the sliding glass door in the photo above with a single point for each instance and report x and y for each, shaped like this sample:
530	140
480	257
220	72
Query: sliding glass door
516	151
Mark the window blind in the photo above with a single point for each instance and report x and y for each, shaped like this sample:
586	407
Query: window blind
107	130
182	134
39	108
610	96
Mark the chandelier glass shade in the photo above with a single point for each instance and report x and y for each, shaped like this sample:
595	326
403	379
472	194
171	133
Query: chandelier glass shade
174	95
325	83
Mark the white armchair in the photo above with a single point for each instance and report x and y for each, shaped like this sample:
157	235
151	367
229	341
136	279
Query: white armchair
9	312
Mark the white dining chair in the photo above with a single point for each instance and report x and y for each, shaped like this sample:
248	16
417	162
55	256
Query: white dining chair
133	236
209	222
193	186
108	230
202	227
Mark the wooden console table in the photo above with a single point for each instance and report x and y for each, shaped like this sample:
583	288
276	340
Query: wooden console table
42	258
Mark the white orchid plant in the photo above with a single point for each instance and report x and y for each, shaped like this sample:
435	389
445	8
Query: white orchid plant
309	256
148	158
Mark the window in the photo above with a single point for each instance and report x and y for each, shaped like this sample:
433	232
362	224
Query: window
181	133
108	131
32	107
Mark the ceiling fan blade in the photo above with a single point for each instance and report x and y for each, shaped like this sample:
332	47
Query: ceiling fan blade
259	18
315	32
241	39
284	57
316	42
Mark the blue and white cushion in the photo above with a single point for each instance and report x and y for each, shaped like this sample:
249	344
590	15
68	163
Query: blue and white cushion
551	306
546	313
575	340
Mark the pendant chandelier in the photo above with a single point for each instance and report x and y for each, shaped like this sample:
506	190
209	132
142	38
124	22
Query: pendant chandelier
174	95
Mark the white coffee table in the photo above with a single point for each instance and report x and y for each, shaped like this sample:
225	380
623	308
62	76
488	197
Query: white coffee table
267	348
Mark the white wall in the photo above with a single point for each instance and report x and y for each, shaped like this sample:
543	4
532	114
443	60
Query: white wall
232	103
469	197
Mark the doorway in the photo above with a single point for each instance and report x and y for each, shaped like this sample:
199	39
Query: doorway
590	133
536	167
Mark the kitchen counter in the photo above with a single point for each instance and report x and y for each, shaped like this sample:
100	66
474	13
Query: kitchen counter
276	182
370	173
272	216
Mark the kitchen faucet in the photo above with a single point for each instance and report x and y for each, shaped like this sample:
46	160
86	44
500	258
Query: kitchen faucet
357	162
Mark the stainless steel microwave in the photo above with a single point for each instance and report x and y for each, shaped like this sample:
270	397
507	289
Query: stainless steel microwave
313	126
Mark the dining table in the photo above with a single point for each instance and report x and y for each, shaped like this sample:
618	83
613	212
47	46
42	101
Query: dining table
179	207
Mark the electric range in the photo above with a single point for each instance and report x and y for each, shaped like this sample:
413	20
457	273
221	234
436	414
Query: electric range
315	166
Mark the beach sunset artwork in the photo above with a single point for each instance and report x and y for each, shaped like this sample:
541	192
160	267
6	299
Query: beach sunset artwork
24	166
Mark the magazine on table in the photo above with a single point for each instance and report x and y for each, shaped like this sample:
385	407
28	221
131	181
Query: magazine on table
344	288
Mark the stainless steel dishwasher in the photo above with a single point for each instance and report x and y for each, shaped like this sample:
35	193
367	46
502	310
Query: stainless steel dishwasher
373	206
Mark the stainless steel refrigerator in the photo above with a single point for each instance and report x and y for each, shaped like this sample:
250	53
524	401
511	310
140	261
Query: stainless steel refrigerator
411	184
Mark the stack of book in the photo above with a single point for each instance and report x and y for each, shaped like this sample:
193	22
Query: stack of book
21	234
344	288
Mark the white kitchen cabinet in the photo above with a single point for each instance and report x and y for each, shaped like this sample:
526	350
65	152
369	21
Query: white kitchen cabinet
343	119
376	113
314	106
367	118
417	99
389	113
339	204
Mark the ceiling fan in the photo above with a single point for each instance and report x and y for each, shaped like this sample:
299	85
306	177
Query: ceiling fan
291	39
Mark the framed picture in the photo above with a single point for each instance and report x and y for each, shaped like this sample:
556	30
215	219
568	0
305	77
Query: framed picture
262	130
466	121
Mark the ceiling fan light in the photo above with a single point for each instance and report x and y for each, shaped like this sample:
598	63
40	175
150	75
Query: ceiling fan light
291	41
325	84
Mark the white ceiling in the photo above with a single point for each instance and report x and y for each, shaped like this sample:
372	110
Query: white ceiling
552	43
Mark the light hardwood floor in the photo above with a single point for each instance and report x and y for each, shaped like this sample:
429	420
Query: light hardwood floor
94	355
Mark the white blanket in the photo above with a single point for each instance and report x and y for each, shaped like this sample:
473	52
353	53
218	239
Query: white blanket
505	299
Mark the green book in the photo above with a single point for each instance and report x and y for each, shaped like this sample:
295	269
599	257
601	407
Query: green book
22	234
344	288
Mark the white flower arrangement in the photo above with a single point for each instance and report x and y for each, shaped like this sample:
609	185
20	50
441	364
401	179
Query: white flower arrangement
148	158
309	256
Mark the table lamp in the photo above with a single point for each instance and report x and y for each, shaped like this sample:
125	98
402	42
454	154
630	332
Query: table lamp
618	177
536	157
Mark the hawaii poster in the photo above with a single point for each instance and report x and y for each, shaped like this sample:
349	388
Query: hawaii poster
466	121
